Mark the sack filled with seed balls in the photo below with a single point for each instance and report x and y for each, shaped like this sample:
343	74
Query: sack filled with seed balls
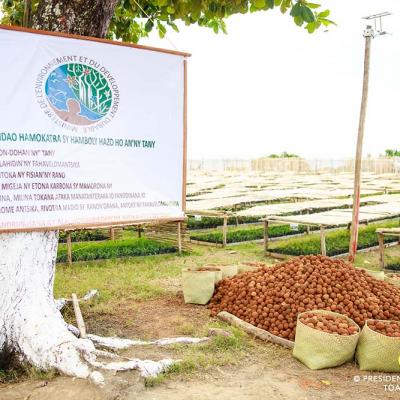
379	346
325	339
272	297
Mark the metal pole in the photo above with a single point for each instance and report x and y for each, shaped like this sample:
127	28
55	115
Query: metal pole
368	34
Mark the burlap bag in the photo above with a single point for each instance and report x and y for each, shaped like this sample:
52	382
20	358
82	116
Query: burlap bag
198	286
228	270
317	349
246	268
389	278
379	275
378	352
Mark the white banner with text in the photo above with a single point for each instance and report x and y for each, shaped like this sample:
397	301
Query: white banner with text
90	133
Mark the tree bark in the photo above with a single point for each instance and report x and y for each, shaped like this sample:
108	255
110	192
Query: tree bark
30	325
79	17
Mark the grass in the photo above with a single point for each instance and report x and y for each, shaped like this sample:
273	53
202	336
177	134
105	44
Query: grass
219	351
113	249
138	278
337	242
129	278
128	282
23	371
125	284
370	259
241	234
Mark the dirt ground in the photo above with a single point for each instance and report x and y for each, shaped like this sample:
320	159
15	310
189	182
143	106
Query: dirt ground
248	382
267	371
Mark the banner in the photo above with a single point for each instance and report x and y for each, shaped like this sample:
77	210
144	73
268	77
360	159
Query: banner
91	133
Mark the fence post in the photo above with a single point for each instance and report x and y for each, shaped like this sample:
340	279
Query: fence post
381	251
266	237
69	249
323	241
225	231
112	234
179	237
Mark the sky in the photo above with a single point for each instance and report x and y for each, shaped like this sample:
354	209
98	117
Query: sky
269	86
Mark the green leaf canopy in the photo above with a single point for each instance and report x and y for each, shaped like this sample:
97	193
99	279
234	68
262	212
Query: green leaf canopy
134	19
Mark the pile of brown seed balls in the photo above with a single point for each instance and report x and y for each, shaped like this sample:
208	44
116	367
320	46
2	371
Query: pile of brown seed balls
272	297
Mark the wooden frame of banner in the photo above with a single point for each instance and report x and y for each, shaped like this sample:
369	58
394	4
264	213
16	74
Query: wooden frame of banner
93	39
115	224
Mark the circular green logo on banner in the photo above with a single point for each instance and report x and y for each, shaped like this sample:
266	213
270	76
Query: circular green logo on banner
78	94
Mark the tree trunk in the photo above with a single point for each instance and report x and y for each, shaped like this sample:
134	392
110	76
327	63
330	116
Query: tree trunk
79	17
30	325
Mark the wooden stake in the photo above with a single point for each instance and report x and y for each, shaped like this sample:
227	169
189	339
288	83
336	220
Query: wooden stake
225	231
381	251
323	240
360	137
266	236
112	234
69	249
78	317
179	238
139	231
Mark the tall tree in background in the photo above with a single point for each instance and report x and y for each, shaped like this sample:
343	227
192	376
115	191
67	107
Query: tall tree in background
30	325
131	20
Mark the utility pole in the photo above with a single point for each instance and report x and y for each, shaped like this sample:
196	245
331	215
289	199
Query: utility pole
369	34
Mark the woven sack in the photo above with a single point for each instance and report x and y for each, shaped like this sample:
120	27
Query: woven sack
198	286
378	352
317	349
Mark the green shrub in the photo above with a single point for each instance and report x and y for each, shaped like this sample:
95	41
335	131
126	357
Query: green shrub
337	242
395	266
113	249
246	234
86	235
215	222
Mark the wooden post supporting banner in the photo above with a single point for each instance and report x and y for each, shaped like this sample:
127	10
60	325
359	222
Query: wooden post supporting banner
381	251
112	234
323	240
185	130
225	231
368	34
69	248
266	237
180	237
78	317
